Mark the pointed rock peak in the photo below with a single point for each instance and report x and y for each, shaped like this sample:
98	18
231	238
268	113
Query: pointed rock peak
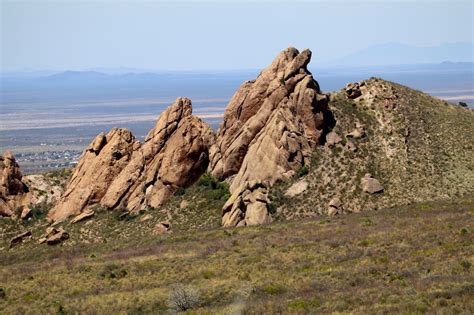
117	171
284	108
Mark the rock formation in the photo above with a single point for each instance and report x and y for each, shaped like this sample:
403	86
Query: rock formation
116	171
271	125
15	197
98	166
175	154
248	205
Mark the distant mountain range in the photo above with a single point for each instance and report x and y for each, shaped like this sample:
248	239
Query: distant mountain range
399	54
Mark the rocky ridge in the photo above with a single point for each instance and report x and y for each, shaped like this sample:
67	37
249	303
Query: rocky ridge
116	171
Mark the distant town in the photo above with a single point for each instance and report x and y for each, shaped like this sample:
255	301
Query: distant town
39	162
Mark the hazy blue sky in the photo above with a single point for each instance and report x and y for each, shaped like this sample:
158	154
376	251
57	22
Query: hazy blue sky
196	35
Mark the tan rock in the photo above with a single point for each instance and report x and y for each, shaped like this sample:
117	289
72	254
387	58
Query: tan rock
98	166
335	207
15	197
272	124
351	146
84	215
146	217
116	171
175	154
161	228
371	185
248	205
297	188
53	235
18	239
184	204
357	133
25	213
353	90
332	139
56	236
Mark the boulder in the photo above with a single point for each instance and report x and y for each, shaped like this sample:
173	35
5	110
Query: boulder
53	236
357	133
161	228
272	124
332	139
371	185
84	215
15	196
353	90
248	205
18	239
297	188
351	146
334	207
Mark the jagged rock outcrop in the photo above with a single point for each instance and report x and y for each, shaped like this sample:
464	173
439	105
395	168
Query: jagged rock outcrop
99	165
116	171
175	154
271	124
15	196
248	205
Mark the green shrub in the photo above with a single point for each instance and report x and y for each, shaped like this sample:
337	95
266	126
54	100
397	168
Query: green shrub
274	289
303	171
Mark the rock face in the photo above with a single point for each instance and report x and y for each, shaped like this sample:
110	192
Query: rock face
248	205
175	154
116	171
271	124
14	193
99	165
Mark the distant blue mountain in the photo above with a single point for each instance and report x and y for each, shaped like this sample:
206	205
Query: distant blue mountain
399	54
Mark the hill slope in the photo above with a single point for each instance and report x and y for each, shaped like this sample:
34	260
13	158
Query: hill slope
413	259
418	147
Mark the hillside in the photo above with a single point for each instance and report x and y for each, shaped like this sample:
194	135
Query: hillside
420	148
415	259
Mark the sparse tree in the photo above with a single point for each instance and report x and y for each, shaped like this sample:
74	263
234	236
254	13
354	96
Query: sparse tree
463	104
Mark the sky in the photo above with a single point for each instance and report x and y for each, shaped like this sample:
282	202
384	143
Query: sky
215	35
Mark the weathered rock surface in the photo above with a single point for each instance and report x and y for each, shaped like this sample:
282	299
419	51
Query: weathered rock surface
297	188
371	185
175	154
161	228
357	133
116	171
248	205
353	90
15	197
332	139
271	124
53	236
100	164
18	239
84	215
335	206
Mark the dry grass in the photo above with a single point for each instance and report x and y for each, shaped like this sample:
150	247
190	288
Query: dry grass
413	259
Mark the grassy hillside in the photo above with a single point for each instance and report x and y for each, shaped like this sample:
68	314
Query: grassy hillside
413	259
420	148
